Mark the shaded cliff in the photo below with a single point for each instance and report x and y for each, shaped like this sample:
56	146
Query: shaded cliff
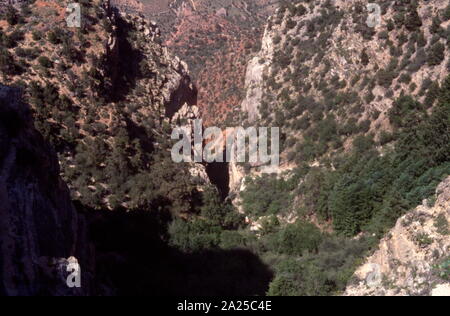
39	226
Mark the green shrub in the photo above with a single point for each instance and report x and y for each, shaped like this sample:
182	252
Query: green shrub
231	240
405	78
436	25
385	138
432	95
266	195
443	269
36	35
385	77
364	57
56	36
436	54
423	239
192	236
405	111
441	224
325	273
45	62
8	65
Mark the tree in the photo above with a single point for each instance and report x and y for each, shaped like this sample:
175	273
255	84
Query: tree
192	236
11	15
446	14
45	62
436	25
413	21
290	24
405	110
436	54
7	63
364	57
213	209
432	94
363	143
350	205
36	35
421	40
390	25
266	195
70	52
55	36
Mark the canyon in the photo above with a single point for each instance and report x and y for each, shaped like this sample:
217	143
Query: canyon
215	38
357	206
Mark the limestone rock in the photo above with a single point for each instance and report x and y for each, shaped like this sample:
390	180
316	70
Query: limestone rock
38	223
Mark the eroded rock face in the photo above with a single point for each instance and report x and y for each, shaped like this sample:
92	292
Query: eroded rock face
254	79
39	226
170	84
408	259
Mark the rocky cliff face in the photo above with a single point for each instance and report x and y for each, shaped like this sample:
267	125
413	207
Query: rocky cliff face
169	86
413	258
215	38
39	227
254	91
102	94
5	3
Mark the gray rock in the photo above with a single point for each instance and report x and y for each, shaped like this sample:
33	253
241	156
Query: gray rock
38	223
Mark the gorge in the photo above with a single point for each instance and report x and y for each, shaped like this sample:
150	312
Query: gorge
359	204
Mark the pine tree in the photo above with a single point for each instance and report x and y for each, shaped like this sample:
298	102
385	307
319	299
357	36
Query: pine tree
364	57
11	15
413	21
436	54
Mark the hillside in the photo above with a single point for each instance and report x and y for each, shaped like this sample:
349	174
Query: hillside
321	62
364	114
313	78
215	39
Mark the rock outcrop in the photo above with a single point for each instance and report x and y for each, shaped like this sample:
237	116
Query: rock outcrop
254	79
39	226
413	258
185	117
254	87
